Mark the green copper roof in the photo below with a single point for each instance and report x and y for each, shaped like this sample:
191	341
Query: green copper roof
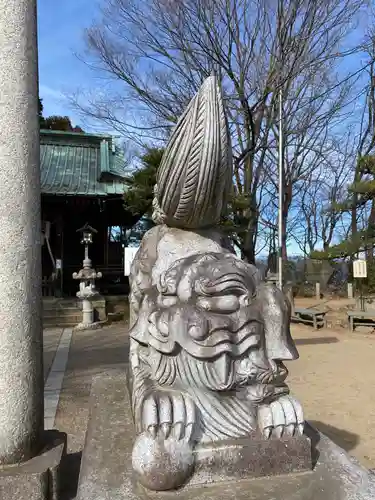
73	163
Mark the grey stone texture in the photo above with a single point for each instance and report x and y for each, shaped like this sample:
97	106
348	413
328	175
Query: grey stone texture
208	357
106	472
39	477
255	457
87	293
55	379
106	460
100	308
195	174
208	336
21	366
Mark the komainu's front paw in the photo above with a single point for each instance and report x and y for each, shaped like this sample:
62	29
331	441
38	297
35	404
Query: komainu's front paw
162	455
281	418
169	415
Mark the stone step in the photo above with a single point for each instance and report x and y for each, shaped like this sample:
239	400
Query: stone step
62	312
63	317
59	324
62	320
56	306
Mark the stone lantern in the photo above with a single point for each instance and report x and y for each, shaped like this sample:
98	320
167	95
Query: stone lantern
87	276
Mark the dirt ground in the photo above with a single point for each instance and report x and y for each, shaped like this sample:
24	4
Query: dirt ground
334	379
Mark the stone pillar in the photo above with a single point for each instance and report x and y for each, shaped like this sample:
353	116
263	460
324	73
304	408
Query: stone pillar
21	346
87	312
317	291
350	291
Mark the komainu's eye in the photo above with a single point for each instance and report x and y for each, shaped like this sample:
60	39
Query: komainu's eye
224	304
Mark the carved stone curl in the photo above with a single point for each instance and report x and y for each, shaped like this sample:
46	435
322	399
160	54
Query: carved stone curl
208	337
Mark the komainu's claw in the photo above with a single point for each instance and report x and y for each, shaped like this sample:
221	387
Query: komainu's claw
290	415
278	419
265	421
300	422
281	418
168	415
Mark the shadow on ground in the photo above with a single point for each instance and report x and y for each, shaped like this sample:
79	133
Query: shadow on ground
70	473
345	439
317	340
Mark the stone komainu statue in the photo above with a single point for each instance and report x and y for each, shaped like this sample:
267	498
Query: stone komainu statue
208	337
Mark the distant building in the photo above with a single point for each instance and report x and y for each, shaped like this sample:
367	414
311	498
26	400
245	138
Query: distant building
82	180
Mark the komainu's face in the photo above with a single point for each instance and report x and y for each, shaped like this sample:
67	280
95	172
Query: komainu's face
216	327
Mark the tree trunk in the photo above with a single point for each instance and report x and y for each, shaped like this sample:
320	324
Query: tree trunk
287	200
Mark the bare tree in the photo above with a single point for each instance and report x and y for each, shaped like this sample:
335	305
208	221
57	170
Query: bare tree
318	220
155	54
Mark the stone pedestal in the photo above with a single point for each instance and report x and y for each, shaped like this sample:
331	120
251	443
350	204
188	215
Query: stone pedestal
100	310
39	477
106	470
87	312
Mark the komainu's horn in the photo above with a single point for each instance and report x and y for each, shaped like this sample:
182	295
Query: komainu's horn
195	174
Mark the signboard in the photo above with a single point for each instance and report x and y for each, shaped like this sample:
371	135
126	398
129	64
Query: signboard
359	268
58	264
129	254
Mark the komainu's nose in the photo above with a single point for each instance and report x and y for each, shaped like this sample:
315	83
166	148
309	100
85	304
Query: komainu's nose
276	317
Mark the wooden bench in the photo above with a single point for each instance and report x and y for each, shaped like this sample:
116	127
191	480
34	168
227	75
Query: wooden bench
313	317
359	318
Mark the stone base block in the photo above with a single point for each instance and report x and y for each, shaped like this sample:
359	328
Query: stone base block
243	459
106	470
38	478
99	305
90	326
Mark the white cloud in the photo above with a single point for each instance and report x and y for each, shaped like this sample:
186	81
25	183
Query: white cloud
49	93
55	103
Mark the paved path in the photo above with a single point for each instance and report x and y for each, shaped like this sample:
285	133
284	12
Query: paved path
90	353
334	379
51	339
53	383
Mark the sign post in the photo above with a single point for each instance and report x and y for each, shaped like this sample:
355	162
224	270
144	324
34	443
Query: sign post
360	272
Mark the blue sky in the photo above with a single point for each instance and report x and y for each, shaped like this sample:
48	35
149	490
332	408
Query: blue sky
60	37
60	29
